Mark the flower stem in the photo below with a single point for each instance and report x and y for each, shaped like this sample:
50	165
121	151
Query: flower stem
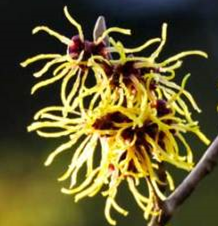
204	167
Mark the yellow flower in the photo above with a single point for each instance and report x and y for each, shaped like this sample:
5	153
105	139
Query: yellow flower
129	152
75	62
134	112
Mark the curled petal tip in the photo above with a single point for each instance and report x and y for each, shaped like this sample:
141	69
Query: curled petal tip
66	10
35	30
201	53
205	55
165	24
36	75
60	179
32	91
48	162
29	128
23	64
64	190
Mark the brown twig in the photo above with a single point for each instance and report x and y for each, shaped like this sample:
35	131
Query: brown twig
185	189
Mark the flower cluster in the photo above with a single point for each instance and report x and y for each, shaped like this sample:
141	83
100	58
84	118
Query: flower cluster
120	106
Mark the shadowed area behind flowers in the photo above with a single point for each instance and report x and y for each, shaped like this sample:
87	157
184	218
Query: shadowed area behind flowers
30	195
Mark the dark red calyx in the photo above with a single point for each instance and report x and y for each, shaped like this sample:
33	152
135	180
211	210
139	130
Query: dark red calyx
153	84
103	124
132	167
107	122
89	48
162	108
76	47
128	134
111	168
151	129
148	128
126	71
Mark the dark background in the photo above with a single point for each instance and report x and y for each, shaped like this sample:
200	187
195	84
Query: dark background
29	193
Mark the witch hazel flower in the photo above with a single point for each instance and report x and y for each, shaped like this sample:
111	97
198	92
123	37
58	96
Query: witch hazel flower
73	65
135	117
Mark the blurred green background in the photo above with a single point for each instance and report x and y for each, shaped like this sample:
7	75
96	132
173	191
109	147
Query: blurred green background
29	193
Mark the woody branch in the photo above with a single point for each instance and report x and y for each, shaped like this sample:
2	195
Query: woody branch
186	188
